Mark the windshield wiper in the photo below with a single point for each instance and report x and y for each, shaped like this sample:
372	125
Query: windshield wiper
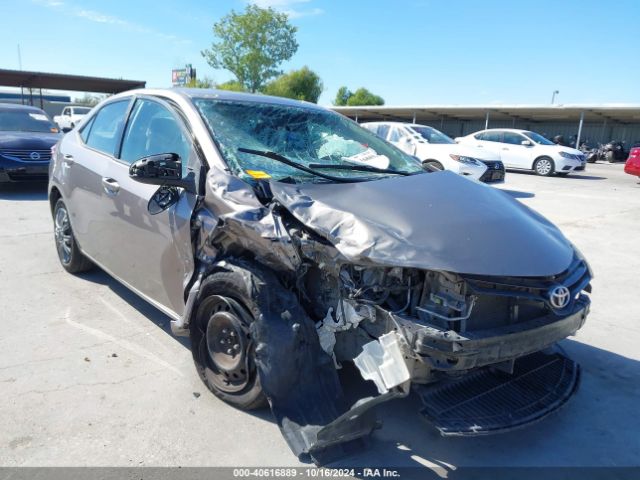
282	159
359	168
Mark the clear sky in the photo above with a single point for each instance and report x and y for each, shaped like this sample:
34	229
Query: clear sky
407	51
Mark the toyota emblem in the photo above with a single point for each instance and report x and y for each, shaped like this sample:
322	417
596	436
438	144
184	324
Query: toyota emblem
34	156
559	296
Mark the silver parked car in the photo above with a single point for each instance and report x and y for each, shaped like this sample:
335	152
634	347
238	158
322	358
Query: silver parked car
286	240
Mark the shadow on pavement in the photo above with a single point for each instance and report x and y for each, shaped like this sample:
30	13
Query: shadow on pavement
575	175
581	176
591	430
23	191
97	275
518	193
597	427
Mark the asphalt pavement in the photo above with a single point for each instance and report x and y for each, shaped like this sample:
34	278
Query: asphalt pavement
91	376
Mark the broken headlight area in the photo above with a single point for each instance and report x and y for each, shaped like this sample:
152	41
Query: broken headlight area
432	330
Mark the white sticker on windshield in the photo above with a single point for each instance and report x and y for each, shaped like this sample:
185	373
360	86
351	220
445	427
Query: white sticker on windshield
369	157
38	116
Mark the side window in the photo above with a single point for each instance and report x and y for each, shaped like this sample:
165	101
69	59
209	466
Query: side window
396	135
84	133
513	138
106	127
383	131
492	136
153	129
65	111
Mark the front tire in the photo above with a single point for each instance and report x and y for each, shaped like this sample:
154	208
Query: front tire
221	343
71	258
544	166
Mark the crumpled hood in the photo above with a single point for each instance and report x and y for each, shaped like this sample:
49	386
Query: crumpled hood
438	221
24	140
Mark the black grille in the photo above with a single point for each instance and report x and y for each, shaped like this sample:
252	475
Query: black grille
28	155
494	173
487	402
576	278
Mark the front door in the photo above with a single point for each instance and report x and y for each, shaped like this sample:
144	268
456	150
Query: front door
152	253
513	153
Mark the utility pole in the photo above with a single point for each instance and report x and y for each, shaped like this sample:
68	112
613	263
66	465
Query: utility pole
19	58
553	96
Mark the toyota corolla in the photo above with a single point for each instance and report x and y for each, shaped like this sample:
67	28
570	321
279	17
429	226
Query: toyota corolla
285	241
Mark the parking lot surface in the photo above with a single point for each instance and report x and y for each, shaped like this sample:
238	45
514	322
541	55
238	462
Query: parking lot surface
90	374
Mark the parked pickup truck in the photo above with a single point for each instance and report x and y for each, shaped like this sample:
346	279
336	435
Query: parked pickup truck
70	117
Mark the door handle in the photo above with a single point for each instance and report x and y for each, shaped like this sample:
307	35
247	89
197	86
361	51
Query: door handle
505	148
68	159
110	186
480	146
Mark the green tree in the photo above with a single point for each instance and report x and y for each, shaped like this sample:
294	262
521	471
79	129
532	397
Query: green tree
232	85
303	84
362	96
206	82
342	97
252	45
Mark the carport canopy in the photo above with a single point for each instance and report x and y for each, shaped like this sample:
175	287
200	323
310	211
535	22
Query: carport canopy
618	113
624	114
57	81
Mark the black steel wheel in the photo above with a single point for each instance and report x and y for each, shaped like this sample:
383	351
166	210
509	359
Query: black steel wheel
221	343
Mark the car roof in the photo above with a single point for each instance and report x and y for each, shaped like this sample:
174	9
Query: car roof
197	93
516	130
7	107
403	124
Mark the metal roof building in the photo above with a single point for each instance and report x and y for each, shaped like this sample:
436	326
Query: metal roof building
593	123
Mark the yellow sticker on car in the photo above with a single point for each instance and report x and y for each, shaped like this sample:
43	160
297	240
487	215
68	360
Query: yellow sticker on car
258	174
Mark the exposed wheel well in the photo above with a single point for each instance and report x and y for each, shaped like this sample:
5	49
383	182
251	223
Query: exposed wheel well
54	195
432	161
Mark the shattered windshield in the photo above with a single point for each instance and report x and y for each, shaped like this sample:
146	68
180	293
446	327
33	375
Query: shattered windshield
306	136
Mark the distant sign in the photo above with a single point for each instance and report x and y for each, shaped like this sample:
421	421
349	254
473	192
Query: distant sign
181	76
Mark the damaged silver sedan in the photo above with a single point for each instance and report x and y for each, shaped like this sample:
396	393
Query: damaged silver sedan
285	241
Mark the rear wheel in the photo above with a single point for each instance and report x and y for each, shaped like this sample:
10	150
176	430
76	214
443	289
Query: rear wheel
221	343
544	166
71	258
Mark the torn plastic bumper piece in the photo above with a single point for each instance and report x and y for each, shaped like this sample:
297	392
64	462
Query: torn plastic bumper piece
329	442
380	361
487	402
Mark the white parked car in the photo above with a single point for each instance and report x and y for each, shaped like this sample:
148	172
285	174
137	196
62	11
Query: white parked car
436	149
70	117
523	149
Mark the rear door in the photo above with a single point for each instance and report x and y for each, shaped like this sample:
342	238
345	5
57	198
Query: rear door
85	159
151	253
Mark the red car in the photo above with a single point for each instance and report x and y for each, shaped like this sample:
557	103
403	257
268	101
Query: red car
632	167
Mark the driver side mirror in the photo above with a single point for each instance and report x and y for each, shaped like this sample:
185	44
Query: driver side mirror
163	169
526	143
